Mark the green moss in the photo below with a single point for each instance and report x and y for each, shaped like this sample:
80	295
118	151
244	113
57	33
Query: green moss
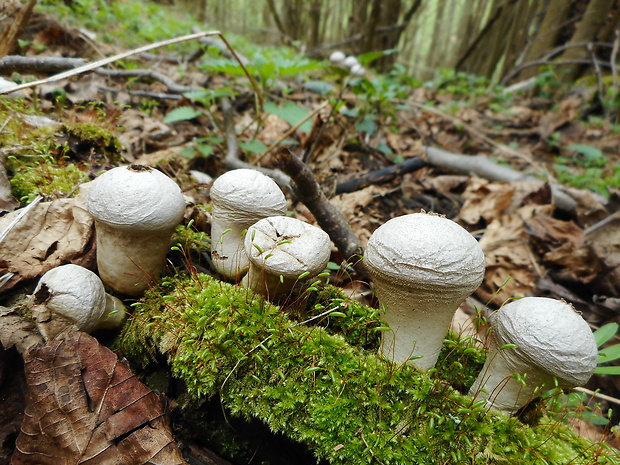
52	161
348	405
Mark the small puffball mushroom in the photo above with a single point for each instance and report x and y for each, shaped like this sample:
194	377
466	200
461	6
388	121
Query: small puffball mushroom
337	57
350	61
423	266
283	251
73	297
540	340
136	209
239	199
358	70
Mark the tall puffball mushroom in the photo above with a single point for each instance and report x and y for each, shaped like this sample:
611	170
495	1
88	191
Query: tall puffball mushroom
136	209
423	266
282	251
239	199
73	297
538	340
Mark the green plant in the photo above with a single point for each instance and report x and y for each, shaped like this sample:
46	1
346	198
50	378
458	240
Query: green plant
591	169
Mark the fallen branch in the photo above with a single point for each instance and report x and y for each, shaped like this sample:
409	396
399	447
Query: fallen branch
381	176
232	161
328	217
150	74
484	167
38	65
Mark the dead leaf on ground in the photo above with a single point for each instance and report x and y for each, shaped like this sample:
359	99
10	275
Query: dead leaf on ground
8	203
509	255
52	234
86	407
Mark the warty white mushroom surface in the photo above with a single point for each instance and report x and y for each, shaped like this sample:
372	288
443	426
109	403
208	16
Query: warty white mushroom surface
136	209
239	198
423	266
540	339
281	249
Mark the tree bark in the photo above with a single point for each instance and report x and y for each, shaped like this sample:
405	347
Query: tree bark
587	30
547	34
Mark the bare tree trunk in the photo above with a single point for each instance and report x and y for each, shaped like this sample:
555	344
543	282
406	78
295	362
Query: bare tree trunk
587	30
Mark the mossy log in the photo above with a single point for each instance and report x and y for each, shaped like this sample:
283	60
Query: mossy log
318	384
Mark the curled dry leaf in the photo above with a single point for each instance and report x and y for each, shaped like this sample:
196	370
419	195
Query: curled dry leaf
52	234
86	407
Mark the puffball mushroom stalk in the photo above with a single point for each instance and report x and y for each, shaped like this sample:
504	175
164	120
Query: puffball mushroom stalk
423	266
239	199
541	341
136	209
283	251
73	297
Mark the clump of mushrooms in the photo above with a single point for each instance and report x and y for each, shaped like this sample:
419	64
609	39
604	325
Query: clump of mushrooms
283	251
534	342
73	297
136	209
423	266
239	199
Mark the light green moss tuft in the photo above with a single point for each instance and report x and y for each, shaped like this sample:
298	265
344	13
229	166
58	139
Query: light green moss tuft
348	405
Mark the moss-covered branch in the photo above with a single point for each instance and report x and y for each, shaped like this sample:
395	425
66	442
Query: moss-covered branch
346	404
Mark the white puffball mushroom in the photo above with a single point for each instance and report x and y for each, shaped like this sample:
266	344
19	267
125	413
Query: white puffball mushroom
283	251
337	57
136	209
239	199
350	61
73	297
540	340
358	70
423	266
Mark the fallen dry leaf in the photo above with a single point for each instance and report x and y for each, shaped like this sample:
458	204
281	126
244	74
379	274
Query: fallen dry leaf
52	234
86	407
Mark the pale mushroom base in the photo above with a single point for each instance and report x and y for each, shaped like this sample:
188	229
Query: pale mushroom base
499	386
131	274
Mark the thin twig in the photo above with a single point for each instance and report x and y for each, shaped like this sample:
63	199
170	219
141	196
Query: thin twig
597	394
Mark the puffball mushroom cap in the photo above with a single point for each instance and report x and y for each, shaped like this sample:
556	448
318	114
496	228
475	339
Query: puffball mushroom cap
428	251
74	292
240	198
422	266
136	209
550	335
350	61
284	247
337	56
358	70
136	197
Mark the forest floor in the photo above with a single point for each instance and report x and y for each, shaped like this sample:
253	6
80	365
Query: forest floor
355	126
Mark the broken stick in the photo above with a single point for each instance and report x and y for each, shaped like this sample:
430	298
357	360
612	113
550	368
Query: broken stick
328	217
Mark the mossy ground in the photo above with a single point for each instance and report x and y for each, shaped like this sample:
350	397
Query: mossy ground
52	161
321	384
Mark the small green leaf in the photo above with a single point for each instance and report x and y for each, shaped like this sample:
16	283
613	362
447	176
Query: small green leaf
182	114
254	146
607	370
591	153
508	346
605	333
609	354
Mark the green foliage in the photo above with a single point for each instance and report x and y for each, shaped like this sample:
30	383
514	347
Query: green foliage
267	64
609	353
348	405
130	22
183	113
590	169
